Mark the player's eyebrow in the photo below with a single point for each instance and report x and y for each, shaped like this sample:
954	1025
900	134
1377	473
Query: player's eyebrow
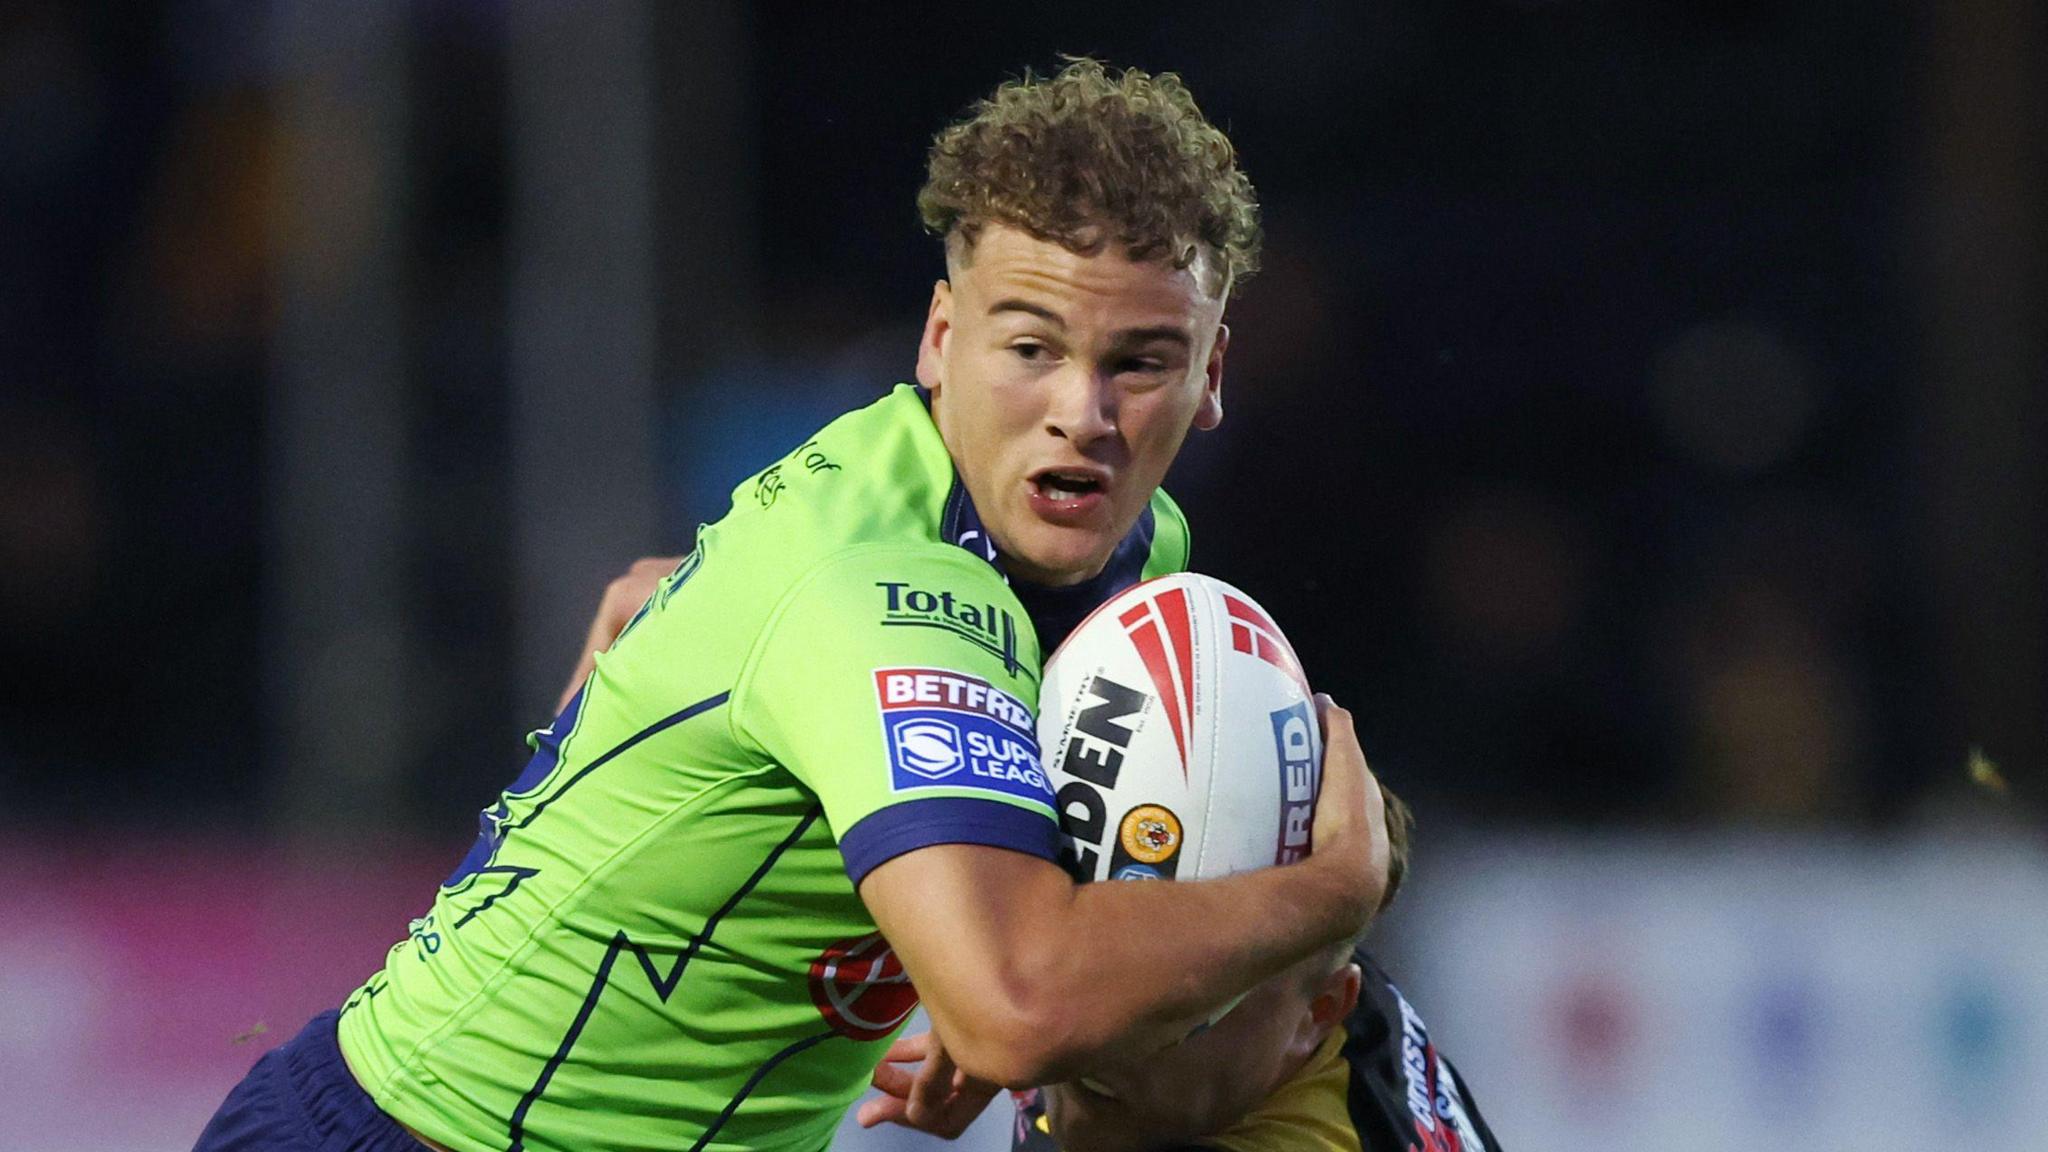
1125	338
1014	304
1134	336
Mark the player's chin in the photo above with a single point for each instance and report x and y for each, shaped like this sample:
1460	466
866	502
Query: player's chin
1056	555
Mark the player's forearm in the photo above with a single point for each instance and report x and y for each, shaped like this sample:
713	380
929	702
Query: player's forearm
1144	962
1110	969
1031	979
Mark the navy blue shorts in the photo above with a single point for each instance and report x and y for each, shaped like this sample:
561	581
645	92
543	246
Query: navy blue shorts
301	1098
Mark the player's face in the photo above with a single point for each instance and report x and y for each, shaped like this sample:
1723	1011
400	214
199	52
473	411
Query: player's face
1063	386
1209	1081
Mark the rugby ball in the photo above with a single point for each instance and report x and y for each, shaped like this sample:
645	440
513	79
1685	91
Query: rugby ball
1179	736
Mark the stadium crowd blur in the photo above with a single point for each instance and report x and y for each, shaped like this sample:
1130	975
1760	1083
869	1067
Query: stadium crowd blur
1639	422
1592	427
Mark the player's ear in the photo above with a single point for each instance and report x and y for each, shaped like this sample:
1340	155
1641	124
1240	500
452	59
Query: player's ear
1339	995
938	328
1210	413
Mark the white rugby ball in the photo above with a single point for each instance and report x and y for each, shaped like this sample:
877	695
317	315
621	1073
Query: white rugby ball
1179	736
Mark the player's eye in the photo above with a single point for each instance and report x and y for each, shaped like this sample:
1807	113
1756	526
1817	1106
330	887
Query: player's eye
1030	352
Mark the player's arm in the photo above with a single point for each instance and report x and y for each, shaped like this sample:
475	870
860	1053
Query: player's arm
892	684
1026	974
1032	979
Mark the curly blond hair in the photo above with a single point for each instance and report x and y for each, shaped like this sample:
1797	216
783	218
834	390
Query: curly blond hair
1087	156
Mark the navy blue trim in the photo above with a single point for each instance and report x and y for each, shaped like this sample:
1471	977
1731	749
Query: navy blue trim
664	986
890	832
547	744
495	823
1056	612
517	875
490	823
754	1082
660	725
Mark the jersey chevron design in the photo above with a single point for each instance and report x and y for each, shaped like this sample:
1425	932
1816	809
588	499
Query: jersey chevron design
656	940
664	986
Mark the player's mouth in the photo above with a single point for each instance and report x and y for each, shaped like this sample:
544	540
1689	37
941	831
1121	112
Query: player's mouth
1069	497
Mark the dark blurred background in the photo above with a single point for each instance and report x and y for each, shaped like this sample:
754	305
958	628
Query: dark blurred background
1639	420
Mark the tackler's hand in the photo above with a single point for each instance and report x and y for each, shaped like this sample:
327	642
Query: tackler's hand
938	1098
622	597
1350	827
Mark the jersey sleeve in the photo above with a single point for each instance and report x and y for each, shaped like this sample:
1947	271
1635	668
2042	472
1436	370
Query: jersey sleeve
900	684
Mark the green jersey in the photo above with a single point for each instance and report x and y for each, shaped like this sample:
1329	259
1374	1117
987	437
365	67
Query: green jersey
656	941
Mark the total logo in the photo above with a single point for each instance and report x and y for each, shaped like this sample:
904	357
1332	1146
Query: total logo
861	989
986	626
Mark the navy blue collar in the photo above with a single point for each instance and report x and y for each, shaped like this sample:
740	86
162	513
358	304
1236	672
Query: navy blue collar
1054	612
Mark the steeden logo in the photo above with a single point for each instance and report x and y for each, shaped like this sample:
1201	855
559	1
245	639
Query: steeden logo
1294	750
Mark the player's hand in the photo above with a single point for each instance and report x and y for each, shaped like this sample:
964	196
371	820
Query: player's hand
938	1098
622	598
1350	830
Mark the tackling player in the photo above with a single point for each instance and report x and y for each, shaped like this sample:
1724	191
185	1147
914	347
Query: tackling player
1328	1056
805	775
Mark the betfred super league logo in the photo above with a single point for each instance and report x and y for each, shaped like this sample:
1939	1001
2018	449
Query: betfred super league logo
861	989
950	729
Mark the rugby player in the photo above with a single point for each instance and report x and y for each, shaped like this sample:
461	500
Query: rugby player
1291	1068
804	777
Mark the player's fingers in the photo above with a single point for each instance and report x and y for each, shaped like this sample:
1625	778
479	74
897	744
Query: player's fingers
880	1110
910	1049
892	1079
584	668
928	1093
1350	814
625	595
1336	720
1344	769
622	598
970	1099
931	1088
650	569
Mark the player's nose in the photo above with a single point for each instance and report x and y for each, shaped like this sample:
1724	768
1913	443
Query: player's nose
1082	406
